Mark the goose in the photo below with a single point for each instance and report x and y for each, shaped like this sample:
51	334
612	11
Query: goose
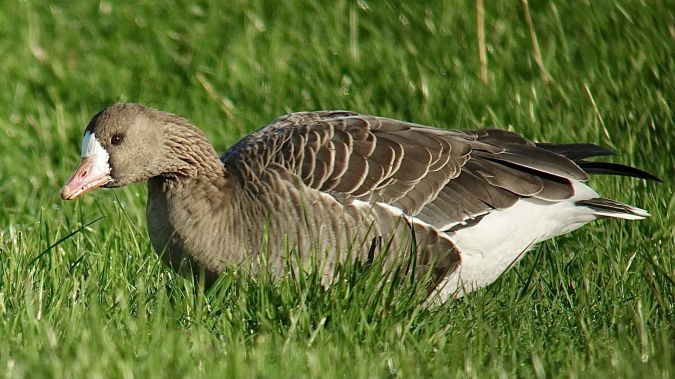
333	186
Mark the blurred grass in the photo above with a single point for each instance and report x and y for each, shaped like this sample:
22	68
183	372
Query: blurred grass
596	303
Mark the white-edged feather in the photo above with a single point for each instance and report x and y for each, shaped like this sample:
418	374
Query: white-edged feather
635	213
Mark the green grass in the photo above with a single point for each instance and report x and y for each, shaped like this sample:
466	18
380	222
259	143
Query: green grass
99	303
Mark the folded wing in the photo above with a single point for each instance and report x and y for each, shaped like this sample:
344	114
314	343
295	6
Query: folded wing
445	178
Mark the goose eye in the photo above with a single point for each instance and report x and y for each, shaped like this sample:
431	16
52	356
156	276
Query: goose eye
116	139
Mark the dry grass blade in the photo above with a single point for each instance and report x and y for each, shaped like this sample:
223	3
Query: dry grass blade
545	77
482	53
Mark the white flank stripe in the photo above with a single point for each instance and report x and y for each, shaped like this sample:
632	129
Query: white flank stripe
398	212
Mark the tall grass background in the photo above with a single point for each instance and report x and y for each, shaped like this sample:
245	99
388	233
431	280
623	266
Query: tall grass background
82	294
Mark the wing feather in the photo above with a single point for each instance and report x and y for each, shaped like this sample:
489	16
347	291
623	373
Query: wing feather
442	177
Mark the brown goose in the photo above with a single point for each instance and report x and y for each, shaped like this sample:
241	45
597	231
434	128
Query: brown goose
336	185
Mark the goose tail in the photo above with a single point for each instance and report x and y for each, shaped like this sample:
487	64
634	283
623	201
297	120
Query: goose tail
604	207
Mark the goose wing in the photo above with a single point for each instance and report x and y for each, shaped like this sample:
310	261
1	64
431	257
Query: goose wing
442	177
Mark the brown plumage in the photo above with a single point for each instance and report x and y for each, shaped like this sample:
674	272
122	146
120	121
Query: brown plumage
333	185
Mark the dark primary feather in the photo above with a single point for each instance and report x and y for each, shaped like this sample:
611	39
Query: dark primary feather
580	151
609	168
577	151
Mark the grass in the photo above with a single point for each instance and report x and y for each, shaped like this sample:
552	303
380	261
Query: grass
82	294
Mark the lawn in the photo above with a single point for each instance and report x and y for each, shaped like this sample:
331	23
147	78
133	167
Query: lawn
82	294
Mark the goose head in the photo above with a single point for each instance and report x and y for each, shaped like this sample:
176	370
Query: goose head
125	144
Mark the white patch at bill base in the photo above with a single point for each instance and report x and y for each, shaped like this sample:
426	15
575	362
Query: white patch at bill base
91	148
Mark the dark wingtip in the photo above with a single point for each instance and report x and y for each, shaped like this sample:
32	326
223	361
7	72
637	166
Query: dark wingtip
616	169
580	151
577	151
